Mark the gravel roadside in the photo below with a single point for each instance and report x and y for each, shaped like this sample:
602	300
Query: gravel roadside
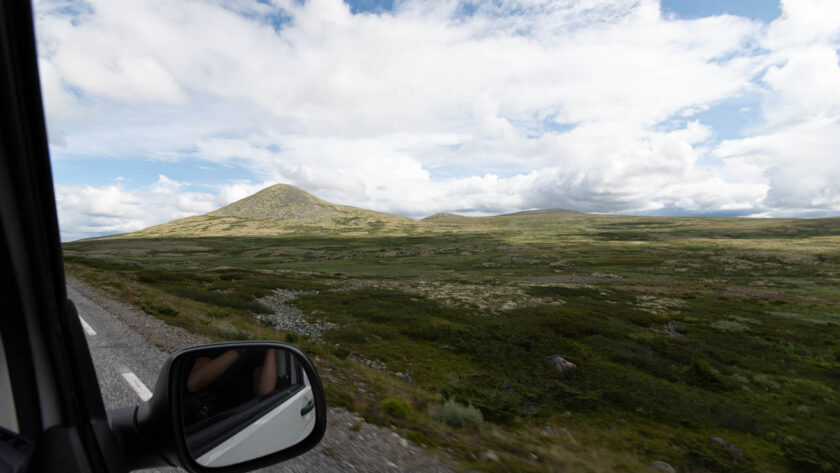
349	445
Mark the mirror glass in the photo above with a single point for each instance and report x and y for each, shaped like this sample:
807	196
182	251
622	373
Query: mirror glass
243	403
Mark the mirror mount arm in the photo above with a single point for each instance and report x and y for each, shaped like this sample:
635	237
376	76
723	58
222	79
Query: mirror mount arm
136	451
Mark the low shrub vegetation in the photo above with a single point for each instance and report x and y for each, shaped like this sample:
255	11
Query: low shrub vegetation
396	408
158	308
457	415
681	330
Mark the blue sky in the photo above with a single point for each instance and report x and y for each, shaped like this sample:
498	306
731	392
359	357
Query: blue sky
761	10
159	110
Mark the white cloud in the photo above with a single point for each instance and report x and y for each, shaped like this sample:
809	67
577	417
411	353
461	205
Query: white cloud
796	152
803	22
86	210
584	104
165	185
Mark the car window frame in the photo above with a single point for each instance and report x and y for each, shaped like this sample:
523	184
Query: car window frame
58	404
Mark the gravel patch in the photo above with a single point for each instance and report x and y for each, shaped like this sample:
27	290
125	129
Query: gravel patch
289	318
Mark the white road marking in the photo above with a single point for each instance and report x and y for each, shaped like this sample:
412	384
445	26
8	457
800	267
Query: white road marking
142	391
88	329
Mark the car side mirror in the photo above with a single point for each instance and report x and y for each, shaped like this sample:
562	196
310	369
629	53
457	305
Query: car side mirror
226	407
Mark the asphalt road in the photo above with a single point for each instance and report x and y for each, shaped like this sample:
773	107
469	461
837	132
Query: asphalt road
127	366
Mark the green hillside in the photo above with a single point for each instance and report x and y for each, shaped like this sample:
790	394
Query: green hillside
283	209
712	344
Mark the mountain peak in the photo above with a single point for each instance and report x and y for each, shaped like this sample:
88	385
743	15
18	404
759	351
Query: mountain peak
290	206
277	201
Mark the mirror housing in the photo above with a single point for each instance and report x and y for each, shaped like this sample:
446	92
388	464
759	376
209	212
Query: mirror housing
154	433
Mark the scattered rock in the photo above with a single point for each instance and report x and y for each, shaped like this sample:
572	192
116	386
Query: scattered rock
528	410
489	455
289	318
561	364
403	376
672	329
558	432
392	466
533	457
374	364
352	285
719	442
663	467
563	432
509	305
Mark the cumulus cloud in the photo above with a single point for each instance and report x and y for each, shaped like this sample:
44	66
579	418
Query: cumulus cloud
591	105
796	151
86	210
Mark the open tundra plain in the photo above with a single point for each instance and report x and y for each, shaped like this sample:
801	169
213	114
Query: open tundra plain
587	342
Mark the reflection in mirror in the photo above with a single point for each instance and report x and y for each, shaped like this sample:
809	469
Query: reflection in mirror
244	403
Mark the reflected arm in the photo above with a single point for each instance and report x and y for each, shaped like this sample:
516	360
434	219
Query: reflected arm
267	375
205	370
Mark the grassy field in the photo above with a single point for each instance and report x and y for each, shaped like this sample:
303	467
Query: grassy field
682	330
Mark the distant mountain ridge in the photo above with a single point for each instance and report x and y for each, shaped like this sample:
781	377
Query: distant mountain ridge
284	209
290	203
448	217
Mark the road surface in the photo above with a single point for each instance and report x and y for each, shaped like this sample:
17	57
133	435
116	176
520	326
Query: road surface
127	366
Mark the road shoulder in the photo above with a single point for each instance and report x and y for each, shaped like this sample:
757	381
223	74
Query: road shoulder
349	445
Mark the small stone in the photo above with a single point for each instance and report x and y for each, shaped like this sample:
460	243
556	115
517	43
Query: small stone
719	442
392	465
663	467
563	432
561	364
403	376
404	442
533	457
489	455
